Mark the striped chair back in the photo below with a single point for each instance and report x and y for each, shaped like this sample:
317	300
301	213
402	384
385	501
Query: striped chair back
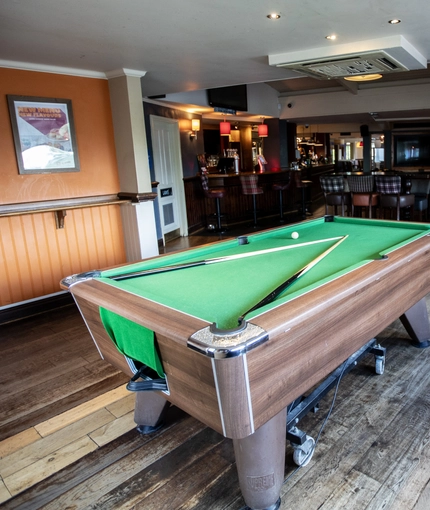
388	184
205	180
360	183
250	184
332	183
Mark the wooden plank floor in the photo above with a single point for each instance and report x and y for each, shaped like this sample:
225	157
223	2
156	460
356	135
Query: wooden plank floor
372	454
67	437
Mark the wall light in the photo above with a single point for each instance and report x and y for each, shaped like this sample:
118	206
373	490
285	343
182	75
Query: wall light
235	135
195	126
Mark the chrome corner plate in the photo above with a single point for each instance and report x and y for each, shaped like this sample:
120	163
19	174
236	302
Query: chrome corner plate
76	278
227	344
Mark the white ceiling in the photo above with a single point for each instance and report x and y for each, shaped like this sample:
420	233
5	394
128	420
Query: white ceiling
196	44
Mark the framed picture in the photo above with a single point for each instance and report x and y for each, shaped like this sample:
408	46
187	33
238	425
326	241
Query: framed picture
44	134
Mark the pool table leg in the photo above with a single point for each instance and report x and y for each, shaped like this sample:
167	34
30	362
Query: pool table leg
416	322
149	411
260	460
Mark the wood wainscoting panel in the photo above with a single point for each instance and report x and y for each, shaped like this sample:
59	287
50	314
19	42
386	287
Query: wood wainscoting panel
35	255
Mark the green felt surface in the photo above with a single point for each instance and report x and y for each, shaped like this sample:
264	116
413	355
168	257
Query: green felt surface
222	292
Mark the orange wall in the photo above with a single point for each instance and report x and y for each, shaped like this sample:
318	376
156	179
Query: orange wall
94	136
34	254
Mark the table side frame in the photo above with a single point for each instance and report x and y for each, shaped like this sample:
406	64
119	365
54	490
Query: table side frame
299	358
189	374
297	355
301	354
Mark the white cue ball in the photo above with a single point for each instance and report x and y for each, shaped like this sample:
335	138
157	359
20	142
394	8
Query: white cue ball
295	235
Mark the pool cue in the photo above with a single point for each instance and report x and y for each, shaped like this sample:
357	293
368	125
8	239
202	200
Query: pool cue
270	297
215	260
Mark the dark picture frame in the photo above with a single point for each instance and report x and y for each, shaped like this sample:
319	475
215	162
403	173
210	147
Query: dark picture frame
44	134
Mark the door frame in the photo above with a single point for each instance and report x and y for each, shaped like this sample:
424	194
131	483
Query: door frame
177	176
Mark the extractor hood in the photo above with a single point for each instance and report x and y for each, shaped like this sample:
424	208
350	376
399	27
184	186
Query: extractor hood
386	55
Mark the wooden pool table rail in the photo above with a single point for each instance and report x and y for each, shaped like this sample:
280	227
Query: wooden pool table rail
308	338
312	335
189	374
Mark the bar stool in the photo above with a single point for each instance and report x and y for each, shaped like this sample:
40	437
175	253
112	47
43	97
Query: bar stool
333	187
390	187
303	185
281	186
420	188
215	193
362	192
250	186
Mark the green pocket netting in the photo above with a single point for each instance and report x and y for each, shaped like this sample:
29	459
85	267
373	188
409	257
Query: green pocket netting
132	340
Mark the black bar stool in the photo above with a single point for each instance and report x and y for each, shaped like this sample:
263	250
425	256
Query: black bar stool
250	186
281	186
420	188
303	185
214	193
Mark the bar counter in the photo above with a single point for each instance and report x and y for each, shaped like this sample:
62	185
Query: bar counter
238	207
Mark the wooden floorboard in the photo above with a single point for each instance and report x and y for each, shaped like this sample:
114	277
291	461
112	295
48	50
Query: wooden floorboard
374	446
172	474
32	415
67	438
49	365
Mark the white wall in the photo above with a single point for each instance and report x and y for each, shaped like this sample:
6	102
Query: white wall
378	99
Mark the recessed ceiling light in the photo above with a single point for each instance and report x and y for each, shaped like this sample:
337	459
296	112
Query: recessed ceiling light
273	15
394	21
331	37
363	77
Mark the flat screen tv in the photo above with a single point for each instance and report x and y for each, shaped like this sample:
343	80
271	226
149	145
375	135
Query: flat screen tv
231	98
412	150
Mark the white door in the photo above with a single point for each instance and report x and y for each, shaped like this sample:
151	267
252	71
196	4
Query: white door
168	172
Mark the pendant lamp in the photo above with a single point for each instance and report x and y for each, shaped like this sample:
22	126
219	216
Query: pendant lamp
224	128
263	130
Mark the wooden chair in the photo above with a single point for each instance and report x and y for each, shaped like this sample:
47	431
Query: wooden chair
333	187
391	197
362	192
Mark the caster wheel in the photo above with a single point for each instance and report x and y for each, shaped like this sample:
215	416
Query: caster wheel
379	365
303	453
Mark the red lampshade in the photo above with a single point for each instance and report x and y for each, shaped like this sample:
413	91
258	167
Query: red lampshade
263	130
224	128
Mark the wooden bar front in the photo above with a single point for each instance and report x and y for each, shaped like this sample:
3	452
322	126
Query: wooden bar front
238	207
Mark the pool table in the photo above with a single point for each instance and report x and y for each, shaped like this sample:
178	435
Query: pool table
237	371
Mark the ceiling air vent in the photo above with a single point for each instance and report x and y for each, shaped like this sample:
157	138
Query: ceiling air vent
377	56
348	65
